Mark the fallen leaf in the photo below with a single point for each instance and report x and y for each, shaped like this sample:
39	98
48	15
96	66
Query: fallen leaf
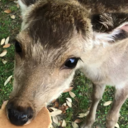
2	41
7	11
52	108
7	40
68	90
74	125
4	61
8	79
72	94
56	104
64	104
55	120
107	103
69	99
3	53
6	46
81	115
117	125
63	108
13	17
56	112
78	121
63	123
69	102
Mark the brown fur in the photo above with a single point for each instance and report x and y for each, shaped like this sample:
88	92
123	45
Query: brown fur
105	22
64	13
107	6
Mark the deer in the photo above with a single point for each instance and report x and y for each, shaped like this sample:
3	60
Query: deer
57	38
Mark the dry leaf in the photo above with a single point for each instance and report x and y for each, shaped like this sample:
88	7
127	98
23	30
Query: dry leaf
107	103
78	121
7	40
7	11
6	46
63	108
74	125
72	94
64	104
63	123
55	112
117	125
69	99
68	90
8	79
52	108
56	104
69	102
55	120
2	41
81	115
13	17
4	61
3	53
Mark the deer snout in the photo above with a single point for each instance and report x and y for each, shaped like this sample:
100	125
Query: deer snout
19	115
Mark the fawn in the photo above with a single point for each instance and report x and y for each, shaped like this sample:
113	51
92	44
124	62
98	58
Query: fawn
58	37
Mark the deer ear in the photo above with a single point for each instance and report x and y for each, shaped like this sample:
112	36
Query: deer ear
119	33
24	4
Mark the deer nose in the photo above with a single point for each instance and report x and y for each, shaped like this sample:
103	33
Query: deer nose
19	115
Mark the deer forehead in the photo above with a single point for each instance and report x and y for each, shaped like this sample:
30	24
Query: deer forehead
45	56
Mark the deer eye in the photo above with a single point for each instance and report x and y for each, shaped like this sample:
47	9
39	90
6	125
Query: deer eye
18	47
71	63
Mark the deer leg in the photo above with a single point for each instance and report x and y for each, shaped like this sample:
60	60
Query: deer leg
97	93
113	115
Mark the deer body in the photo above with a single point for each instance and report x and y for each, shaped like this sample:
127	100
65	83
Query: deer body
110	70
56	39
109	65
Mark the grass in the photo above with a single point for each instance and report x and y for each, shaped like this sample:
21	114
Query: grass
82	86
8	27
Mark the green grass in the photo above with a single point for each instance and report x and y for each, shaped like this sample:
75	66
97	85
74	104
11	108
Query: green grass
8	27
82	101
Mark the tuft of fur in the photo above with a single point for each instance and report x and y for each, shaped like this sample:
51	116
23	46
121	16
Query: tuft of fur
59	21
106	22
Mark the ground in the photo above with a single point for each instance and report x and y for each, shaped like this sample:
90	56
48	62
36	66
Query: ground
82	86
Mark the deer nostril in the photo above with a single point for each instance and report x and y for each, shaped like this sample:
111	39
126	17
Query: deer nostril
24	117
19	116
